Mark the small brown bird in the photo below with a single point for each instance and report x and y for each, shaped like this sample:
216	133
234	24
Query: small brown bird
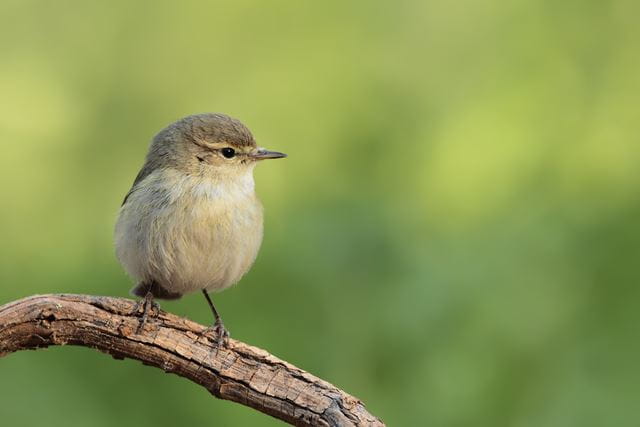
192	221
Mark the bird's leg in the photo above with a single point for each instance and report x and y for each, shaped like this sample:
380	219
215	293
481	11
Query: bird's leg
147	304
222	335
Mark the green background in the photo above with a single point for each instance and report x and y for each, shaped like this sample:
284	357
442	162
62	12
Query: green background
454	238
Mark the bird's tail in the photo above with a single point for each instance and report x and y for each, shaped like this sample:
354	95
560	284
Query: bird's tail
156	290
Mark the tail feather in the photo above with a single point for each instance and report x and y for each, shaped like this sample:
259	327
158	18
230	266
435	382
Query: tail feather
156	290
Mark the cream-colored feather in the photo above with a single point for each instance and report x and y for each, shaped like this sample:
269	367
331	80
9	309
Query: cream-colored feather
190	232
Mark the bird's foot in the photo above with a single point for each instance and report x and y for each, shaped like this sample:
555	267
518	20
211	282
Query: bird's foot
148	307
219	332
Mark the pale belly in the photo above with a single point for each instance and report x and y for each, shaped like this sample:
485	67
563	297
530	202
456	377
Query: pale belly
190	238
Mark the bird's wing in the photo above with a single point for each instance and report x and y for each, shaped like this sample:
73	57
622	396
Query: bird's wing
144	172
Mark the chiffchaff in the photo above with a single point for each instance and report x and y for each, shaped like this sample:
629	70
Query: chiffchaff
192	221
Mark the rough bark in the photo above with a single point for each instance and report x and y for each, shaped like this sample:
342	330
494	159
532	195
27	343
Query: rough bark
237	372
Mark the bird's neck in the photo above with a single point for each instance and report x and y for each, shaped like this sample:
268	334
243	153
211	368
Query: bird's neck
229	183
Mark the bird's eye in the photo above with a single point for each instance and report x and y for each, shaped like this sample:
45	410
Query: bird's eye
228	152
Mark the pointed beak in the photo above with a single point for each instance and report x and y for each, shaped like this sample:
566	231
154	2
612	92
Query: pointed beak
262	154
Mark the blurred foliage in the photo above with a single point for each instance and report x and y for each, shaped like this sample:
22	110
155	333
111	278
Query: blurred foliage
454	238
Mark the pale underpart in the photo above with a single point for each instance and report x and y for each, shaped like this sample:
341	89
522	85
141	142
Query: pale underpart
189	233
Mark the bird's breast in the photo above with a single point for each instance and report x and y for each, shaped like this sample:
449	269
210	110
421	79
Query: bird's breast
192	233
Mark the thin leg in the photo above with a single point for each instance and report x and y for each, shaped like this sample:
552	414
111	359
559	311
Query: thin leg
147	304
213	307
222	335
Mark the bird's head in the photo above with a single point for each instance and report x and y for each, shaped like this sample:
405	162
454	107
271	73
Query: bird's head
209	143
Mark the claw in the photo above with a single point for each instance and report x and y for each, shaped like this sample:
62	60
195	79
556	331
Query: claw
147	305
221	334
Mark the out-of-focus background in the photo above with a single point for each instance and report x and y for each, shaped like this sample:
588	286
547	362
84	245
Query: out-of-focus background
454	239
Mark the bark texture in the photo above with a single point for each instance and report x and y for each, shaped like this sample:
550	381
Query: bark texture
237	372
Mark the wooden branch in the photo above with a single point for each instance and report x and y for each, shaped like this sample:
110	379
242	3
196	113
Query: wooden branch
237	372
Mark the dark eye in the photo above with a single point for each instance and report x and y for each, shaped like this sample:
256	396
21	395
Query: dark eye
228	152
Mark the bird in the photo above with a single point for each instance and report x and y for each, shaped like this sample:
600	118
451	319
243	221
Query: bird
191	220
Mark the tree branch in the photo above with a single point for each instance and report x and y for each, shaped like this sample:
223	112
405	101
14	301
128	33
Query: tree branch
237	372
